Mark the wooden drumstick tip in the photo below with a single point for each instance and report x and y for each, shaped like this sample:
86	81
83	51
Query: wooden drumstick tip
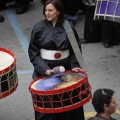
58	69
62	69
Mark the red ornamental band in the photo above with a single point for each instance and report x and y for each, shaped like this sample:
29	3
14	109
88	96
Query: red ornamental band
60	99
8	76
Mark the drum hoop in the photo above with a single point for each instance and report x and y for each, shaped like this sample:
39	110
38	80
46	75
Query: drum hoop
60	90
12	64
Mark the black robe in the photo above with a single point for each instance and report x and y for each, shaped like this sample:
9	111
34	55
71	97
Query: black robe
45	36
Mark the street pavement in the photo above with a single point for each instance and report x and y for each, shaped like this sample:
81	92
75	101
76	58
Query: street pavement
103	64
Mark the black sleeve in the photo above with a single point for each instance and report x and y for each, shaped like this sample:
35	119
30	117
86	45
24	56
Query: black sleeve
39	64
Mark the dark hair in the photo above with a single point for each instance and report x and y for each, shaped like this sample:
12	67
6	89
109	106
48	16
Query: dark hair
94	118
101	97
59	7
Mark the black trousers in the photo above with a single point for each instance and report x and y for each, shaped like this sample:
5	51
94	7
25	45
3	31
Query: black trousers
92	28
110	32
69	9
76	114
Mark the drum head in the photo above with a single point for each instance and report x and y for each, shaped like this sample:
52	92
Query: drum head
57	81
5	60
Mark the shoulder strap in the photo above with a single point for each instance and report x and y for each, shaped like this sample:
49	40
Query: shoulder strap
74	44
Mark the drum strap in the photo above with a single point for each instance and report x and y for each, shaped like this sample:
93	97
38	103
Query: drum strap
74	44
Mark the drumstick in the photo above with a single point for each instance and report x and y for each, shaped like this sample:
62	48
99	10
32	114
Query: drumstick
58	69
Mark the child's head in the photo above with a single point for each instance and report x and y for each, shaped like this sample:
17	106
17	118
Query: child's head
94	118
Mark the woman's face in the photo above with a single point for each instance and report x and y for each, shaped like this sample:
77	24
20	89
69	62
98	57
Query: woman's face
112	107
51	13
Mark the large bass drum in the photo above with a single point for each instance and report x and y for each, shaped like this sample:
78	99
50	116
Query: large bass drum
8	74
60	92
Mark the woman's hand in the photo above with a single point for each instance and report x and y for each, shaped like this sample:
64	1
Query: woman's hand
76	69
49	72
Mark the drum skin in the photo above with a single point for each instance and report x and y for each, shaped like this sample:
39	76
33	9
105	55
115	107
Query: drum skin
107	10
63	96
8	77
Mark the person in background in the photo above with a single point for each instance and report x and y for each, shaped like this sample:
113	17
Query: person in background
48	38
71	9
21	5
92	28
71	13
110	33
104	103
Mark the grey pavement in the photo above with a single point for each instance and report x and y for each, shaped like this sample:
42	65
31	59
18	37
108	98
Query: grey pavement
103	64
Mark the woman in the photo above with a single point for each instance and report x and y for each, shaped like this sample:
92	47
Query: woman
104	103
49	38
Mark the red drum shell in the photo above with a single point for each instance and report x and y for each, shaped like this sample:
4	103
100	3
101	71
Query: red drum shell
8	77
62	99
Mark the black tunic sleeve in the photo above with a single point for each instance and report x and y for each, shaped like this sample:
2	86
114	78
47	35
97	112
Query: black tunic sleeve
39	64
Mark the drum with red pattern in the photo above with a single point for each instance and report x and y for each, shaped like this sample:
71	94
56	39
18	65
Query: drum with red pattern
60	92
8	74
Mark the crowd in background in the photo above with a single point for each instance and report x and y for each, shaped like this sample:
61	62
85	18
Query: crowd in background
107	32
